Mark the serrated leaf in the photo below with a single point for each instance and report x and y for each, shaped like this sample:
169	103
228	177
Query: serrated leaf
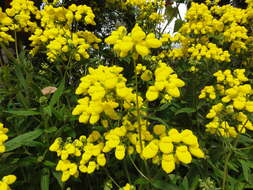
22	139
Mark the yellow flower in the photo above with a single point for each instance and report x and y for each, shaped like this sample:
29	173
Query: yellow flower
150	150
174	135
91	167
10	179
152	93
196	151
101	159
159	129
188	138
165	145
183	154
168	163
120	152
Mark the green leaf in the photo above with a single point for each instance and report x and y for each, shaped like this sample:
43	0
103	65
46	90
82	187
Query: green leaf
44	180
185	110
23	112
8	53
141	181
159	184
162	107
48	110
21	77
195	183
245	169
156	119
33	144
56	96
51	129
22	139
178	24
49	164
185	183
57	176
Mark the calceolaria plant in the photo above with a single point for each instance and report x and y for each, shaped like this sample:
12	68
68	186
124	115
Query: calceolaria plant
100	93
108	100
233	103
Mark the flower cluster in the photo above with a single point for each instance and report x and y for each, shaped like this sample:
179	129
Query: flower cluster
166	81
103	88
234	103
57	35
217	33
6	181
105	92
3	137
167	148
6	24
136	41
146	74
128	187
10	179
200	21
172	147
209	51
21	12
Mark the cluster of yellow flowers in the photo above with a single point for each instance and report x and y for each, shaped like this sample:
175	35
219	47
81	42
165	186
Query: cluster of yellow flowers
143	3
3	137
103	88
172	147
163	147
128	187
166	81
235	102
209	29
136	41
147	13
146	74
57	34
6	24
6	181
200	21
10	179
21	12
210	51
105	92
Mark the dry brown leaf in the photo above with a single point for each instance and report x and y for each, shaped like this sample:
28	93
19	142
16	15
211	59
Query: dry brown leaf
48	90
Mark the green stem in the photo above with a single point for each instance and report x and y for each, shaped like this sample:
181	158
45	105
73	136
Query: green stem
108	174
142	174
137	106
139	116
225	171
16	46
246	148
127	173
